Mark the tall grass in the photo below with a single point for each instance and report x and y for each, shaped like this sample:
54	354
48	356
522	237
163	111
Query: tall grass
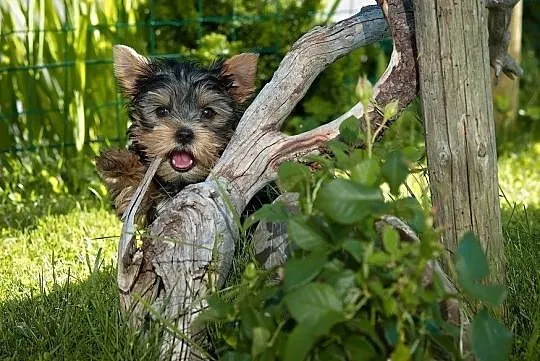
55	72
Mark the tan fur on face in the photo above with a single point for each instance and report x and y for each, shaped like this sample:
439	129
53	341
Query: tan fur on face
205	148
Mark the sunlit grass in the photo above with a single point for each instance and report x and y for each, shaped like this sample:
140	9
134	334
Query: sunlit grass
519	175
57	246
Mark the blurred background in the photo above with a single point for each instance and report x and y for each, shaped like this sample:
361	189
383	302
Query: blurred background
59	106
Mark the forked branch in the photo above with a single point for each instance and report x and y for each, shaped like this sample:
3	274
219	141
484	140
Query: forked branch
188	249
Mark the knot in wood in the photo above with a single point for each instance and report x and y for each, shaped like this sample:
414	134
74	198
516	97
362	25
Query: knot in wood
481	150
444	156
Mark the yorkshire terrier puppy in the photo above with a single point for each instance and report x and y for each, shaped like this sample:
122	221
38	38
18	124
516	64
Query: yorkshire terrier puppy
179	111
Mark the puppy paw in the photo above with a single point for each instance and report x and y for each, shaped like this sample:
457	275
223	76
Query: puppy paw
122	172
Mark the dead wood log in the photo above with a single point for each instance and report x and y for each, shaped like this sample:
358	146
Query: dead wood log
188	250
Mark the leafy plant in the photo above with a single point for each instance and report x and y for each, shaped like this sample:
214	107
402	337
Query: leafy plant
349	291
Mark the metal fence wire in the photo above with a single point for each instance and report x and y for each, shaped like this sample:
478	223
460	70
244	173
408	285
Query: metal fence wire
56	82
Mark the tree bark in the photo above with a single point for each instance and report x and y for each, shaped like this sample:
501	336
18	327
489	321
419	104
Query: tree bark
455	85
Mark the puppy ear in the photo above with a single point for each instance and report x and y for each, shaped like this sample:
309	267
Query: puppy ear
240	70
129	66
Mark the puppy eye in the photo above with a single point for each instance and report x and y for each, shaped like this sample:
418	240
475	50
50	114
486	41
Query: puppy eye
207	113
162	112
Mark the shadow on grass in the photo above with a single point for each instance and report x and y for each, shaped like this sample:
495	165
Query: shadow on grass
521	228
75	321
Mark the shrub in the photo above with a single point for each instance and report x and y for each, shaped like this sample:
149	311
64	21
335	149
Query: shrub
347	290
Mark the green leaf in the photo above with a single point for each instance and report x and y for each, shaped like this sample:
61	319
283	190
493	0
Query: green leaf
312	301
347	202
490	339
401	353
261	336
391	333
354	248
293	176
395	171
275	212
236	356
472	267
332	353
391	239
471	262
410	211
306	334
76	113
305	235
367	172
365	327
379	258
359	348
301	271
339	149
217	310
414	153
350	130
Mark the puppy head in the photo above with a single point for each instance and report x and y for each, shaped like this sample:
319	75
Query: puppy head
181	111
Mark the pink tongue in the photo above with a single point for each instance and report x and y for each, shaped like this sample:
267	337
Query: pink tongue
181	160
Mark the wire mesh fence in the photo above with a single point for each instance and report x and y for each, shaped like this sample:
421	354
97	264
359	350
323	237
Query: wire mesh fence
56	82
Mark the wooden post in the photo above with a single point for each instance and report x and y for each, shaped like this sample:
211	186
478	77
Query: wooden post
452	38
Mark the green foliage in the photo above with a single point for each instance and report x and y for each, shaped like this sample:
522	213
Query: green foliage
472	268
45	183
346	291
489	338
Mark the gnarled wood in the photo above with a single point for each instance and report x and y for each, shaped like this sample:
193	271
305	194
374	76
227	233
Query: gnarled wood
188	249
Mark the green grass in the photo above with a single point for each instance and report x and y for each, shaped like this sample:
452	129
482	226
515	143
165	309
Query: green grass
78	320
55	247
522	246
58	294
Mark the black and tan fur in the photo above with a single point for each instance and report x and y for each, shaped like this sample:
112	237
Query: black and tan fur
179	111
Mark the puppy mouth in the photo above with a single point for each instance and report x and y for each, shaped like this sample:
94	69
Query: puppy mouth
181	160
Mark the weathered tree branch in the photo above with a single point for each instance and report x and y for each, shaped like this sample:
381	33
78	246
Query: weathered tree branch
189	248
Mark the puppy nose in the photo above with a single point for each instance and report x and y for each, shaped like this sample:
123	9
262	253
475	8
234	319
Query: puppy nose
184	135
